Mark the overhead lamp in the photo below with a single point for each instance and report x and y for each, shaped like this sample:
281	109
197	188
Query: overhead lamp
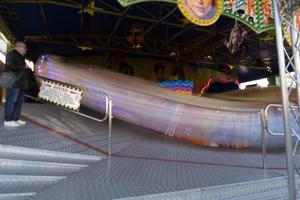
84	48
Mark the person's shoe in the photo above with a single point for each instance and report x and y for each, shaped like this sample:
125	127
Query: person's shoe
11	124
21	122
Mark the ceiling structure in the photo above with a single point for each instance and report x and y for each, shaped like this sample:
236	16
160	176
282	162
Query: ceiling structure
93	27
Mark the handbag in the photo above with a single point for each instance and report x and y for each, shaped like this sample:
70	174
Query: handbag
7	79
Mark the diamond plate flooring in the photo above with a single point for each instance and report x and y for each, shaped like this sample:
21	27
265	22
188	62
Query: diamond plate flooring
143	162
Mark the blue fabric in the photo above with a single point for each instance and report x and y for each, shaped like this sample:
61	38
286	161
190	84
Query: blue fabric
13	104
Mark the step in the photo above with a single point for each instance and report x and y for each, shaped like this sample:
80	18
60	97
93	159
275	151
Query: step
24	153
16	196
23	167
26	184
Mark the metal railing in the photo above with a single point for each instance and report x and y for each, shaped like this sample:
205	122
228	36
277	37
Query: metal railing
293	109
263	138
108	108
284	19
266	128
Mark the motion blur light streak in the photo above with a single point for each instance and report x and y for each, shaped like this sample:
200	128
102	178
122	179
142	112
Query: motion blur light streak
260	83
200	120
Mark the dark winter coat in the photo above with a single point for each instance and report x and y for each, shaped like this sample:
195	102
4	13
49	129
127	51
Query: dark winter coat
15	62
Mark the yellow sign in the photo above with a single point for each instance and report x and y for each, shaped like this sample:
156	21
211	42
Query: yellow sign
204	13
60	94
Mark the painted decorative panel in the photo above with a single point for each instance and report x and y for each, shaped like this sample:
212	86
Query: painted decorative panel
256	14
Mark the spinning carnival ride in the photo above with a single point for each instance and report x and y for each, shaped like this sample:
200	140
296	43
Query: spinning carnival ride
227	120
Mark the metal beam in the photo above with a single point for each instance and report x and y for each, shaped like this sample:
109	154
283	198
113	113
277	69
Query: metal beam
82	15
108	5
101	10
159	21
90	36
117	25
168	10
45	20
205	50
145	11
70	4
9	13
175	36
133	51
75	39
196	43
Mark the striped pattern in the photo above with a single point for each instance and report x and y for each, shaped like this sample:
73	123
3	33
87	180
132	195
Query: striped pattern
66	89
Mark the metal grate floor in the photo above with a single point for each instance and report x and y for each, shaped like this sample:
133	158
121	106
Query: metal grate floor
143	162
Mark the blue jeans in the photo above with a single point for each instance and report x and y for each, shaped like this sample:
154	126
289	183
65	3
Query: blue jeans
13	104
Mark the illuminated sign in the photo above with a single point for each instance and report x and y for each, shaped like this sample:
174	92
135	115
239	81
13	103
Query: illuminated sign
203	13
60	94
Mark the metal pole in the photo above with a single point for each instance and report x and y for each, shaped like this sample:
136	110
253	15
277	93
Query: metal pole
295	39
295	50
263	139
109	126
285	102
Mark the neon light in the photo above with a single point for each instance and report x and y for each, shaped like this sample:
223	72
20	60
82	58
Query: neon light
184	87
206	86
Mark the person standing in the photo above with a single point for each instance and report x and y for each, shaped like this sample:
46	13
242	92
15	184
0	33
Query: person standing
15	62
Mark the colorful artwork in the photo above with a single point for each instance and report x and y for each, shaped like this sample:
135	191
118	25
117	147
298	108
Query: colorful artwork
236	37
256	14
203	13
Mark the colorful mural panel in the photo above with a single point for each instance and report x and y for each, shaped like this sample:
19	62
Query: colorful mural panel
256	14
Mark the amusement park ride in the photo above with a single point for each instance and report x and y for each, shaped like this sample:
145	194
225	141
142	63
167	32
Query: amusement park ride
160	29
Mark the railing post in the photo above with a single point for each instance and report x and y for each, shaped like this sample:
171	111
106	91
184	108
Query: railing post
110	105
263	139
285	102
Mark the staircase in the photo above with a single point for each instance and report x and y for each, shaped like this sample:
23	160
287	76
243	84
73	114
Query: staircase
26	171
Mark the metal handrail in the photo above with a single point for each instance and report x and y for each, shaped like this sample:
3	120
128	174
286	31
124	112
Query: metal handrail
108	108
265	127
263	139
88	90
266	121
